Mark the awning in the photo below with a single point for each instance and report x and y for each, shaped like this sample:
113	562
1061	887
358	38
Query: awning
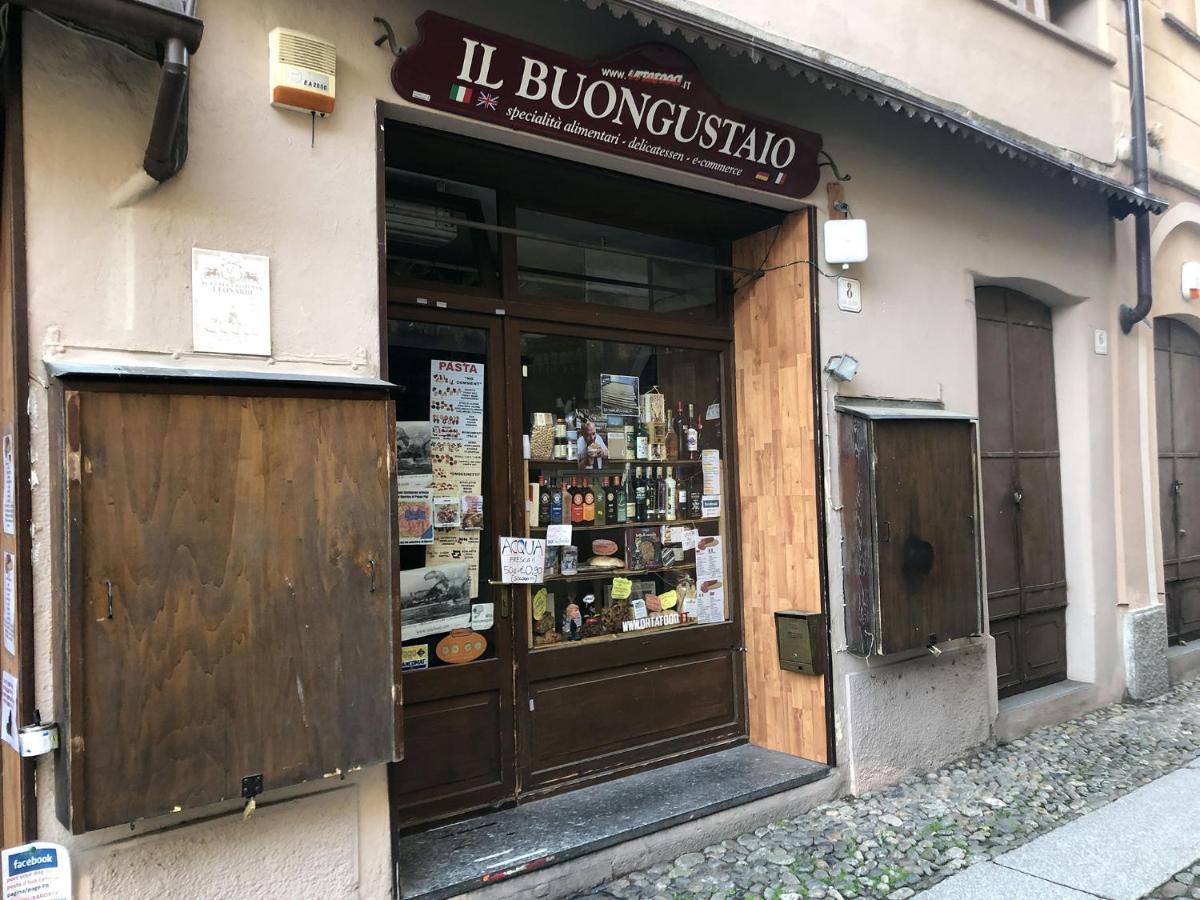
831	72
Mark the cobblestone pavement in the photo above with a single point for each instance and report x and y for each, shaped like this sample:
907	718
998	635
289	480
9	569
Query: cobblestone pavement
1183	884
903	839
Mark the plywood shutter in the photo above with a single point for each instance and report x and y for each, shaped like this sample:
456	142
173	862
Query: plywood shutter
231	604
777	481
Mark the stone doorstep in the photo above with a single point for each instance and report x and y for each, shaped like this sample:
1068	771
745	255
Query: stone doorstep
572	842
1053	704
1183	661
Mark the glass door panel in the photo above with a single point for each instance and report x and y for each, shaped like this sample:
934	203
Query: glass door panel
625	448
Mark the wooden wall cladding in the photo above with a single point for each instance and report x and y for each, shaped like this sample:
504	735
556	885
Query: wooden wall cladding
231	599
777	482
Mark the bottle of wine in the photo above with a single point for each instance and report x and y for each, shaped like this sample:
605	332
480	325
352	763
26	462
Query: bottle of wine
643	440
576	502
639	495
610	501
660	490
672	500
681	501
672	436
696	498
680	431
693	436
543	513
556	503
621	504
589	502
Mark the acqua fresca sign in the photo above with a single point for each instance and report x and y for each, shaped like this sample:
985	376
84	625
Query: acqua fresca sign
647	103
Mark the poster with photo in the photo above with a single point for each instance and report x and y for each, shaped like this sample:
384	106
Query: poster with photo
434	599
414	454
416	515
456	546
618	395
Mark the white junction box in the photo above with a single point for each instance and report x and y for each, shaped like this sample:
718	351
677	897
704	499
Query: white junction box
845	241
303	72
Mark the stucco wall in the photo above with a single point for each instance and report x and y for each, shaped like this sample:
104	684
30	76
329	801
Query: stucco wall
111	283
1006	67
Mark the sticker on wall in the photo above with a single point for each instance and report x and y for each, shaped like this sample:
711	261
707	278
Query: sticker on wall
414	657
10	486
231	303
461	646
472	512
434	599
447	512
10	603
38	870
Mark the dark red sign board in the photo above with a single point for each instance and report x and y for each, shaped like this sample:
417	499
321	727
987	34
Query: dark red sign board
647	103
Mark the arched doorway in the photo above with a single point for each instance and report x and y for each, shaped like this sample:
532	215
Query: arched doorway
1022	491
1177	389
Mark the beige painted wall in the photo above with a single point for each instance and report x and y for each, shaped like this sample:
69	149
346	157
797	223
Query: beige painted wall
111	284
979	54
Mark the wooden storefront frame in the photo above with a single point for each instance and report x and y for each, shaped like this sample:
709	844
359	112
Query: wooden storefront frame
548	315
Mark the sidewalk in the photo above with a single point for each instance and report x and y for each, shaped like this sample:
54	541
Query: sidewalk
929	828
1128	849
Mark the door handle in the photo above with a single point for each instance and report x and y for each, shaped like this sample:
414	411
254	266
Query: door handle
1176	486
1018	496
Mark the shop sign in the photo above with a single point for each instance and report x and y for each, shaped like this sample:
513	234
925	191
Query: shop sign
648	103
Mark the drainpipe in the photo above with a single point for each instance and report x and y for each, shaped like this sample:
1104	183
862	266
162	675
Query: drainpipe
167	147
1130	316
178	32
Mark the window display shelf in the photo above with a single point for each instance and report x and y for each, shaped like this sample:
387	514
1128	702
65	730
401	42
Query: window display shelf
595	574
537	529
615	466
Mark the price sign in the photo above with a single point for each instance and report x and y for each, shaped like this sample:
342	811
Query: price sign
522	560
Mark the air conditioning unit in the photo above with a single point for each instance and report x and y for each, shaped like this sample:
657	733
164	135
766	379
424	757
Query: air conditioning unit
303	72
416	223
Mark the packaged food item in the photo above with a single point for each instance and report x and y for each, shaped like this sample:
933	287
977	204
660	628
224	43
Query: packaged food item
568	560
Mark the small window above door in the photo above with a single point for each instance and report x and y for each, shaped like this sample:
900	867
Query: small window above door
433	235
572	259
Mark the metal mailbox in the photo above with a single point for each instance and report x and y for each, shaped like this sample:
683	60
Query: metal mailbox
801	639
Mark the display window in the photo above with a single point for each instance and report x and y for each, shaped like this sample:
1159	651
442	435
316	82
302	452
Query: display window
625	468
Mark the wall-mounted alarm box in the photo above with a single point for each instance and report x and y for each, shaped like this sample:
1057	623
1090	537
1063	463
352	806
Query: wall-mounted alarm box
1191	280
303	72
845	241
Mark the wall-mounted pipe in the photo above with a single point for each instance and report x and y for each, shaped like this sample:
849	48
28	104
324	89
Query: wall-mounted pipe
138	24
1130	316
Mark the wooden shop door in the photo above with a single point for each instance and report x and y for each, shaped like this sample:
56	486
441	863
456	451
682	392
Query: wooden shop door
458	719
1176	387
1022	493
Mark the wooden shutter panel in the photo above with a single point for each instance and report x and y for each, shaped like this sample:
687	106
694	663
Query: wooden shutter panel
231	603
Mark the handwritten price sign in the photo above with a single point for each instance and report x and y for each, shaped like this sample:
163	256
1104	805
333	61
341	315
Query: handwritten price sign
522	560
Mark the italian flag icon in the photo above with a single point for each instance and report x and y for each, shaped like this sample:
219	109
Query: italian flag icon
460	93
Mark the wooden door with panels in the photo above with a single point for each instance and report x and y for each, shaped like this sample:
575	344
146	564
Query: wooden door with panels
1177	395
1022	493
459	731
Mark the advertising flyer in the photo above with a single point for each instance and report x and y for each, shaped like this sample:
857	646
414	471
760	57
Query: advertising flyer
10	603
416	515
456	398
39	871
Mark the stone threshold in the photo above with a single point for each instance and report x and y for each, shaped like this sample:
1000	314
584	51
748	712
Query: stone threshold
474	853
